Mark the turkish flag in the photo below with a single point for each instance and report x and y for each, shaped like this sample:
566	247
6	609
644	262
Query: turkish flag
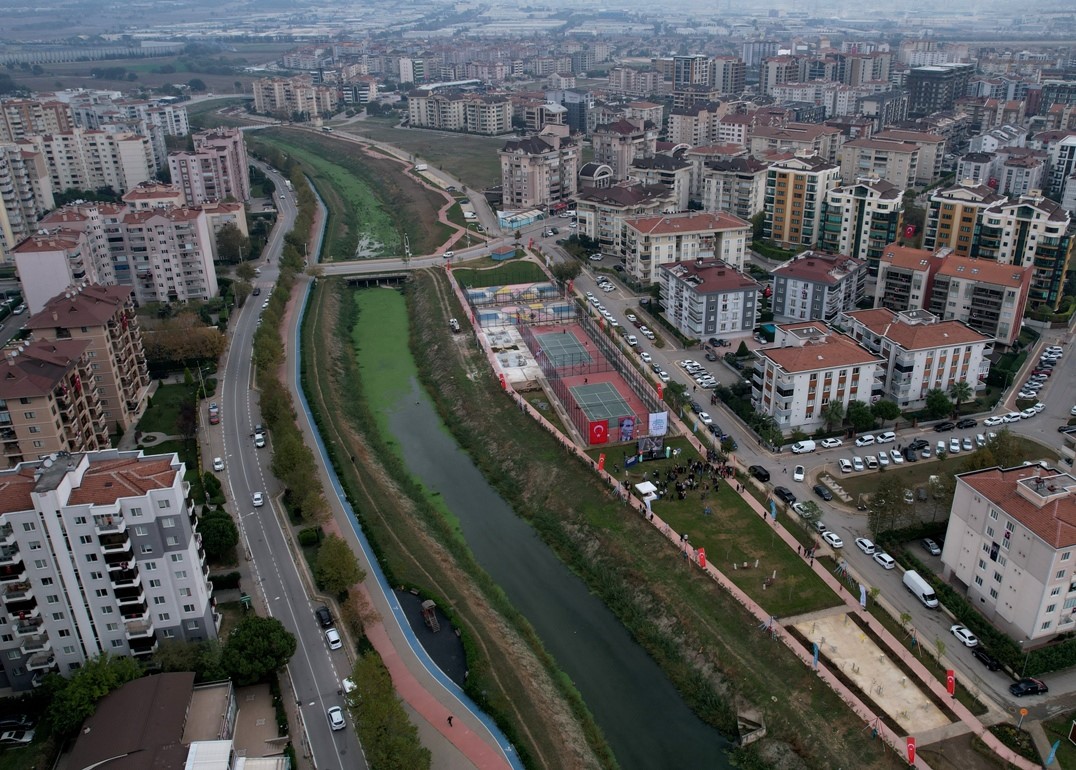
599	432
661	391
950	681
911	750
702	557
601	461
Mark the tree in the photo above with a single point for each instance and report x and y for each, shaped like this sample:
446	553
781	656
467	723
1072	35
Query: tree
860	416
938	404
245	271
181	340
743	351
72	700
241	290
219	535
832	414
255	649
887	510
197	84
388	737
187	419
232	245
203	658
941	487
676	394
336	569
567	271
1002	451
758	224
960	391
885	410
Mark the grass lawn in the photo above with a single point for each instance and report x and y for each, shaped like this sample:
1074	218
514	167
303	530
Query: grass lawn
39	754
540	401
163	412
471	159
733	533
1058	729
502	275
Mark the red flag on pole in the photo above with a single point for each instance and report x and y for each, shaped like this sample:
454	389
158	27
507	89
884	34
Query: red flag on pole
601	461
504	384
911	750
702	558
661	391
599	432
950	681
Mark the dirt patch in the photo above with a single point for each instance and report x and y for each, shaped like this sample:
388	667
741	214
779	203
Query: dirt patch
965	752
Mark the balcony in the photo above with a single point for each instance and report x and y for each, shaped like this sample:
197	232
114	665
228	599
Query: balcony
125	578
144	647
115	544
17	592
41	662
7	536
109	525
138	629
35	644
29	626
131	597
10	557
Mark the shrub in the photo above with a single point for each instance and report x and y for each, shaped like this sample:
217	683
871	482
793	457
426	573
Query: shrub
310	536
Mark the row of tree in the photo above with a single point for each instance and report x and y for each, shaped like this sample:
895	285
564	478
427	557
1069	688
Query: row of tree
861	416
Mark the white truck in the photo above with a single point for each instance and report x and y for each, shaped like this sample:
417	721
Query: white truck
915	583
803	447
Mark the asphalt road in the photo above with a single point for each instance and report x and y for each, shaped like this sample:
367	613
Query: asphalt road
315	671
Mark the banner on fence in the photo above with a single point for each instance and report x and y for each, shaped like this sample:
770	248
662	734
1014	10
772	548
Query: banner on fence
659	423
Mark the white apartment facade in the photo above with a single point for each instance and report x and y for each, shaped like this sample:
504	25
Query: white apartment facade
817	286
539	171
808	366
100	555
217	169
1011	548
25	194
49	262
709	298
921	353
650	242
86	160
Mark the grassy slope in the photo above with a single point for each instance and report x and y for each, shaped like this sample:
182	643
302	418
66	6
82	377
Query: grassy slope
707	644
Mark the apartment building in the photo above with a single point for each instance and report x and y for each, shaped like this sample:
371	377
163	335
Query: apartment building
817	286
1009	548
709	298
937	87
83	159
954	217
906	276
217	169
884	108
1021	172
931	152
1030	231
633	82
49	401
23	118
649	242
861	219
1060	147
696	125
645	111
620	143
52	259
895	162
796	188
101	556
103	316
921	352
672	172
808	366
736	185
458	111
978	168
823	141
25	194
293	96
728	75
987	296
601	211
539	171
778	70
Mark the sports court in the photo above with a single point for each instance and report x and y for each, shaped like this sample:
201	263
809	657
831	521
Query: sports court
562	349
600	401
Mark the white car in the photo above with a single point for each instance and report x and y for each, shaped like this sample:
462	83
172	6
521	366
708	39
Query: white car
980	440
833	539
336	718
449	254
257	499
1028	413
1038	407
885	560
992	421
865	545
1073	411
954	446
896	457
1057	349
966	637
857	464
798	473
705	419
940	447
966	445
845	464
595	257
831	443
590	295
645	357
1013	417
664	376
886	438
332	638
883	459
218	463
865	440
631	317
872	462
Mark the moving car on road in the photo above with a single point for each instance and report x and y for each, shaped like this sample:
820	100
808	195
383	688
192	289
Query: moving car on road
1028	686
783	493
336	718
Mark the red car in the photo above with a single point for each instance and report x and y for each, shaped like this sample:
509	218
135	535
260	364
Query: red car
214	418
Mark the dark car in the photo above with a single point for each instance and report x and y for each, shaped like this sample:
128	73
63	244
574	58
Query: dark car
931	547
618	268
759	473
967	422
325	618
784	494
257	291
919	443
715	342
1028	686
711	355
822	492
911	455
986	659
696	407
942	427
1066	428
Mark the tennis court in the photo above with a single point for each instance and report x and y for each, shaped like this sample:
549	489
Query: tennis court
600	401
562	349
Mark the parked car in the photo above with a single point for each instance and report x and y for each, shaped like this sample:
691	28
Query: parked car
896	456
325	618
884	560
1028	686
966	637
831	443
865	545
332	638
919	443
930	546
911	455
857	464
336	718
954	446
833	539
988	660
784	494
822	492
1012	417
886	438
943	427
966	422
759	473
845	465
883	459
992	421
865	440
218	464
16	737
872	462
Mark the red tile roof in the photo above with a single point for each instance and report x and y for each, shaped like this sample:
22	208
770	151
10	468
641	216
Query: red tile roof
834	351
39	368
694	222
819	267
712	277
92	306
919	336
15	489
107	481
1054	522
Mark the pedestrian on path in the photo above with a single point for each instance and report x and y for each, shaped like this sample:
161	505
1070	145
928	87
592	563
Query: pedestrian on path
450	720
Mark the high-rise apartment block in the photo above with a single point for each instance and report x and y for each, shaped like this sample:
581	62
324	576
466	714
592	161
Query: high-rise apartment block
937	87
539	171
217	169
84	159
25	194
23	118
458	111
290	96
796	189
618	144
650	242
100	555
861	219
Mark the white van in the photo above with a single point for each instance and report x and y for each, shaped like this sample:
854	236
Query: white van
632	340
914	582
803	447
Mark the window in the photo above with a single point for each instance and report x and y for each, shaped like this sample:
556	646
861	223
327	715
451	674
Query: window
155	583
116	643
28	526
1051	607
1065	556
40	563
997	577
171	540
107	609
151	566
177	557
1055	591
58	616
80	519
47	581
1060	575
85	539
188	608
69	649
91	557
136	511
164	503
993	593
112	626
29	415
184	592
145	548
1046	626
164	617
101	593
990	532
159	600
168	633
35	545
982	564
168	522
140	530
14	654
994	515
192	625
978	580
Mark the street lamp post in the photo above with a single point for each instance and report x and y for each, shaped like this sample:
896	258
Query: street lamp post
1026	656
